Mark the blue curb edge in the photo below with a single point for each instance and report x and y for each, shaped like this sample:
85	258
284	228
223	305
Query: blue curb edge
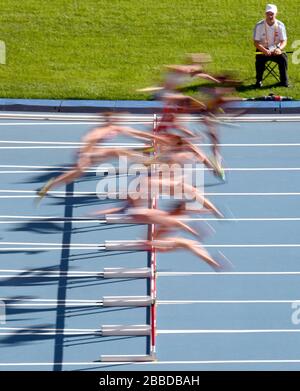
143	107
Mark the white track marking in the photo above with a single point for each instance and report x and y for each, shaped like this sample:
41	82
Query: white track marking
68	123
189	274
131	117
88	193
233	331
101	246
236	169
77	302
84	274
47	331
102	221
242	219
155	363
184	302
281	145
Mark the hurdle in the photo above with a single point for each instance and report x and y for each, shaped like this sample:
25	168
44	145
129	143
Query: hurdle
144	272
148	330
153	264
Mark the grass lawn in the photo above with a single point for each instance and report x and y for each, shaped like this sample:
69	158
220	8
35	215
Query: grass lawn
106	49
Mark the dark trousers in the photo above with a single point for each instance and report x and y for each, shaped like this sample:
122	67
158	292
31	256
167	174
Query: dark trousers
282	62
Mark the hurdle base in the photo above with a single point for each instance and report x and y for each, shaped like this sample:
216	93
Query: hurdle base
121	330
128	358
126	273
136	245
118	219
127	301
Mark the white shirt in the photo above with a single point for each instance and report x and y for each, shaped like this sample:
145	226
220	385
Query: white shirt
269	36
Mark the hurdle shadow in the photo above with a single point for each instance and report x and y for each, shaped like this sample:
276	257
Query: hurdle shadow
20	337
252	87
44	177
99	254
32	333
45	227
62	284
79	201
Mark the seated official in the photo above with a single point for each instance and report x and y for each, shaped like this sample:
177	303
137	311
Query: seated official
270	39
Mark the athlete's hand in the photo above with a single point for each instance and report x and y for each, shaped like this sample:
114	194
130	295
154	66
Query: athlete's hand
268	52
277	52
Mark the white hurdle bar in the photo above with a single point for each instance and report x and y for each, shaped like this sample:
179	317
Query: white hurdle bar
128	358
130	330
144	272
127	301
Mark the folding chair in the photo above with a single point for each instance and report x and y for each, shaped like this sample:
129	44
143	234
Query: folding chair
271	68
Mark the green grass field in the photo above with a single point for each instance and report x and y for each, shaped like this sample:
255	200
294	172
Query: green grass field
106	49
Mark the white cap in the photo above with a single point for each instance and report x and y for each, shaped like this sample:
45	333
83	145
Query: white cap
271	8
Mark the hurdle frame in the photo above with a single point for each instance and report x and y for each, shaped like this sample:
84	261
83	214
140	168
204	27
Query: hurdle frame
153	265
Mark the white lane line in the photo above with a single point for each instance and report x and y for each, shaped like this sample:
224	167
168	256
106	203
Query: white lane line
242	219
275	245
49	272
44	329
102	246
52	221
237	169
234	331
95	195
184	302
251	145
22	166
17	217
264	194
74	302
91	194
155	363
37	331
23	197
55	305
44	248
37	219
103	169
188	274
150	118
85	193
49	333
94	168
49	276
140	145
40	147
67	123
81	274
68	116
251	245
57	301
28	303
41	142
34	191
23	273
51	244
